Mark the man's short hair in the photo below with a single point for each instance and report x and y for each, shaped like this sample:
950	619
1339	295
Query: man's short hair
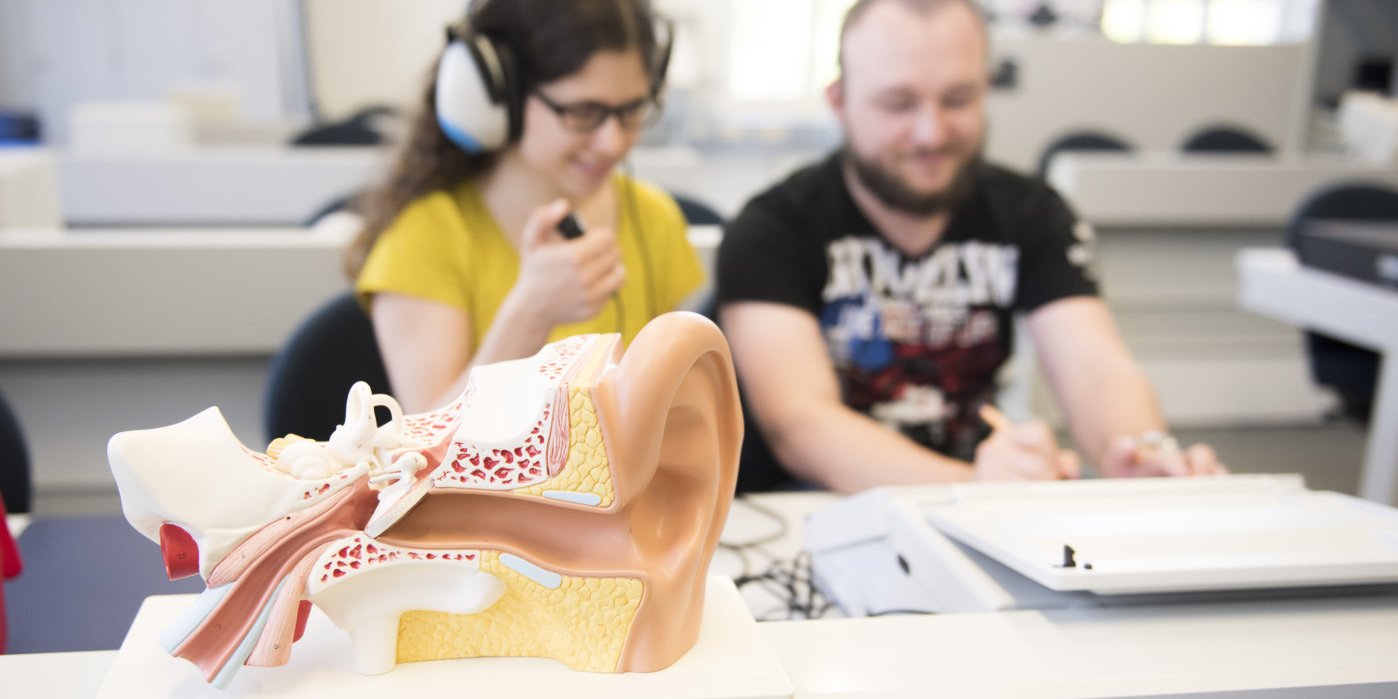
922	7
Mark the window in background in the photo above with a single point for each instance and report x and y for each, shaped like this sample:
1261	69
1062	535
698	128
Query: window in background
1175	21
1124	21
1222	22
783	50
1244	22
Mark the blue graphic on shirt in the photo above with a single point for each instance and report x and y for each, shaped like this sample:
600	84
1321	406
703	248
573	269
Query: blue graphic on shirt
857	325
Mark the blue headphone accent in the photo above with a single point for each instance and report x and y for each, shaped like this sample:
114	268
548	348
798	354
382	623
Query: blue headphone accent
478	104
479	100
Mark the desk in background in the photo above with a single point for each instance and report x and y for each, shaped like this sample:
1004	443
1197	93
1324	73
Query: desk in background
1167	190
211	186
1274	284
1168	227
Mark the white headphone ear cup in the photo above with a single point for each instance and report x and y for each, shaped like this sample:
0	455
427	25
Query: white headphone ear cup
467	110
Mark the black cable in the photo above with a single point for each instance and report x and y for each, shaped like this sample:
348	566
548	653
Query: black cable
789	580
620	309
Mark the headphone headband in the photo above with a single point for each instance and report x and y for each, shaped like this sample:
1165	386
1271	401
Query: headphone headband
479	93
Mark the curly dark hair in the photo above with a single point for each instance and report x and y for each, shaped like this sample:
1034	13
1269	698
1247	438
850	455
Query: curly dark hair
551	39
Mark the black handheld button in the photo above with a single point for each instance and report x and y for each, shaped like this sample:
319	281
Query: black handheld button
570	227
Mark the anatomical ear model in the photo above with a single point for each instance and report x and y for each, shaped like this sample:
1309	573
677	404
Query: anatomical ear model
564	506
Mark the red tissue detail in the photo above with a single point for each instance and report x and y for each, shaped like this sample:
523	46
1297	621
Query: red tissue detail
180	552
303	613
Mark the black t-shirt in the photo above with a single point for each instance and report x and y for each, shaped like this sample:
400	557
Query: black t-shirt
916	341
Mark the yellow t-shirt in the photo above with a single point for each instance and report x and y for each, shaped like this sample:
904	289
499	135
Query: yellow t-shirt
447	247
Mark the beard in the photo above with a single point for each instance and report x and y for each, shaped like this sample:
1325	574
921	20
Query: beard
893	192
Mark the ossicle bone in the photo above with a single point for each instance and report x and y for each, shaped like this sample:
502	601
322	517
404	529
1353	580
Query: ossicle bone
357	441
400	474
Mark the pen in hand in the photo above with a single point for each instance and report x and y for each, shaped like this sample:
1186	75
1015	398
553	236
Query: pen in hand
1065	462
995	418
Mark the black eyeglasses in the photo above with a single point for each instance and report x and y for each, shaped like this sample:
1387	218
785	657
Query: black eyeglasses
586	117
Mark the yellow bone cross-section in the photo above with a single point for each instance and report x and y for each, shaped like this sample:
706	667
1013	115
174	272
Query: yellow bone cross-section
583	623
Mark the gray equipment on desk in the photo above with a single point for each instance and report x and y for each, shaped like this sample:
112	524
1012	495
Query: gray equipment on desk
1352	372
983	547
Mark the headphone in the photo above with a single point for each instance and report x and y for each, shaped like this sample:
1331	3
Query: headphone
480	95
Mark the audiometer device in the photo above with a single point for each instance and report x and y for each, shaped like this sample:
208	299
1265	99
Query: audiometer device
1047	545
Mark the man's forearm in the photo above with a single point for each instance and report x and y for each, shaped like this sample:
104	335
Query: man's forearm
1121	403
845	451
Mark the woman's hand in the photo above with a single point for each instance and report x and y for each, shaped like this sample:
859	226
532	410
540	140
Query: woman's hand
566	281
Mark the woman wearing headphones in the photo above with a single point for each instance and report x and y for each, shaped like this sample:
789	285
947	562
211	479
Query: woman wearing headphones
462	260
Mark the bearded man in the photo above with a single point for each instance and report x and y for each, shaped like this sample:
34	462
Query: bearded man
870	298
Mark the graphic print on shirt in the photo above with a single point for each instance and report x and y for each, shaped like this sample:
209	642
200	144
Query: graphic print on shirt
916	341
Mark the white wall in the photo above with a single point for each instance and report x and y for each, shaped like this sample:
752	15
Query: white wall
56	53
364	52
1151	95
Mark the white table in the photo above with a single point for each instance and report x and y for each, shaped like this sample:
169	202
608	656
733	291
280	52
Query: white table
731	660
1273	283
1293	648
1332	647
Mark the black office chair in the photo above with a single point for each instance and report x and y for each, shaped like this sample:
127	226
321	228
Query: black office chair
345	202
1092	141
697	213
359	129
312	374
1352	372
337	134
1226	139
15	485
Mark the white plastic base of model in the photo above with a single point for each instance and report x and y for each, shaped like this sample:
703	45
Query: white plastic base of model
367	603
731	659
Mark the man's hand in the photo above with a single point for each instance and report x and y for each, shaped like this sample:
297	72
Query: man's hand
1155	454
1024	451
